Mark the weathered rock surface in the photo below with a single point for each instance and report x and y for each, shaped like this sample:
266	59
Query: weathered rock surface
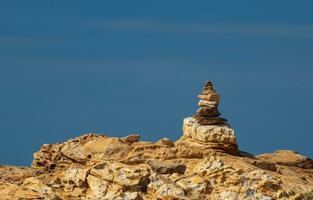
213	136
205	163
290	158
186	171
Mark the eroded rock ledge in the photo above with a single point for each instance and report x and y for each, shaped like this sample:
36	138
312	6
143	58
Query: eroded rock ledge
205	163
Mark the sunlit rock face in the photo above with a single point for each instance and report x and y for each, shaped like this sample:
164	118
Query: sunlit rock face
214	136
205	163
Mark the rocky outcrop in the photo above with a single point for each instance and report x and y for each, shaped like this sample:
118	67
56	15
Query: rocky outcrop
213	136
290	158
186	171
205	163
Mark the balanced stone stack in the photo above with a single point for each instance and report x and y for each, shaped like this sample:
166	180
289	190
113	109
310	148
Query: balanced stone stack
208	113
207	127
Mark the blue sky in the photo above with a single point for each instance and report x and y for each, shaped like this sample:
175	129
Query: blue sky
122	67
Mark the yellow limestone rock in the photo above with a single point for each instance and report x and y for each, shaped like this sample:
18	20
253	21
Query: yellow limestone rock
216	136
188	170
121	174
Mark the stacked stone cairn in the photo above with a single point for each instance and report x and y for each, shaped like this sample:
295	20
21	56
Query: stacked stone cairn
208	113
207	127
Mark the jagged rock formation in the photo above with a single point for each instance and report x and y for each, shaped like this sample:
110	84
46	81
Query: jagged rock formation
205	163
